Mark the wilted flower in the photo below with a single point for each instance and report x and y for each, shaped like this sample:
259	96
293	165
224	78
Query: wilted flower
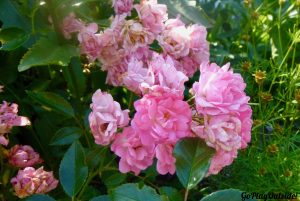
272	149
266	96
259	76
297	96
106	117
246	66
30	181
23	156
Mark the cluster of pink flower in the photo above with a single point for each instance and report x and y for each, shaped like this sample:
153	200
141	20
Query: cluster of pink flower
220	115
28	181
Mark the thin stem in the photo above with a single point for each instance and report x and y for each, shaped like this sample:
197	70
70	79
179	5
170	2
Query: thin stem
186	194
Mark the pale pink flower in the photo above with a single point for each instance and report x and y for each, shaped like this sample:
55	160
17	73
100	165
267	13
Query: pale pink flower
246	121
71	25
23	156
152	15
175	41
136	35
90	42
198	40
136	75
171	23
166	73
135	156
106	117
123	6
115	73
30	181
162	116
187	65
219	90
9	118
220	160
165	159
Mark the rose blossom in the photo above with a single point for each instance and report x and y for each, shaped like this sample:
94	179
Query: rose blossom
152	15
166	74
175	41
165	159
71	25
90	43
162	116
219	90
136	35
220	160
136	75
9	118
106	117
23	156
30	181
122	6
135	156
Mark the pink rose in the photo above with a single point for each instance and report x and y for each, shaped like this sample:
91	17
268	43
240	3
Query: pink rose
219	90
162	116
152	15
122	6
9	118
90	43
30	181
135	156
166	74
136	35
220	160
136	75
165	159
71	25
23	156
175	41
106	117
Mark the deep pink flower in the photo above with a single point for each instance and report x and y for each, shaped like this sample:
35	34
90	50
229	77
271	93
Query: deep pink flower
152	15
135	156
90	42
30	181
9	118
162	116
23	156
122	6
219	90
71	25
106	117
165	159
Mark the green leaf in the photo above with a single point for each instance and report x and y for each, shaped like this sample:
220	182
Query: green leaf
53	101
112	178
40	198
192	161
75	77
131	192
73	171
12	38
172	193
47	51
66	135
189	14
228	194
101	198
10	16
